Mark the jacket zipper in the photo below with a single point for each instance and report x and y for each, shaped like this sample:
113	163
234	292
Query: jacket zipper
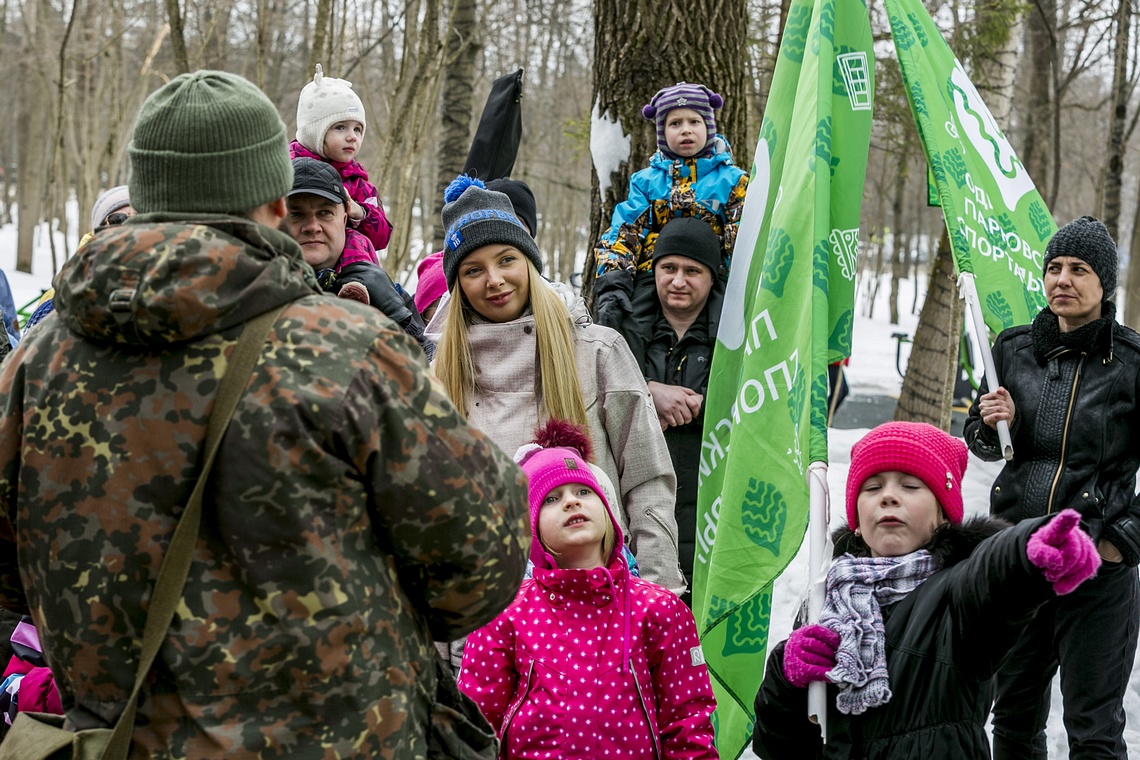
1065	436
656	519
645	710
517	706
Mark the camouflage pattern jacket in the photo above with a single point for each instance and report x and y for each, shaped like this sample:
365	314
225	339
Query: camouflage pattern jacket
352	514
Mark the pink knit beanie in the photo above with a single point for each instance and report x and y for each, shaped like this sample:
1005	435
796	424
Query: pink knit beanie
557	457
937	458
431	284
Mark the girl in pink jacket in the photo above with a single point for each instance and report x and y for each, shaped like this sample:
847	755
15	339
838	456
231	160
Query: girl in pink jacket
330	128
588	661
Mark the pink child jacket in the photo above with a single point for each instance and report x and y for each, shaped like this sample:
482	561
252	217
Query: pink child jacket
375	225
592	664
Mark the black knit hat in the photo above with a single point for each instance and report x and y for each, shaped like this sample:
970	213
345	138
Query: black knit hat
474	217
521	198
691	237
1087	239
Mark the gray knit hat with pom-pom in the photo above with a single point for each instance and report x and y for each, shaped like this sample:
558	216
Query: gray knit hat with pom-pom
474	217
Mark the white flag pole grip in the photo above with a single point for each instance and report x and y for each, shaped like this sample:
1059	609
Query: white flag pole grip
968	291
819	555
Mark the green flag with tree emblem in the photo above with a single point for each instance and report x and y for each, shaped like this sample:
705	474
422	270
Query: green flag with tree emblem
787	315
997	221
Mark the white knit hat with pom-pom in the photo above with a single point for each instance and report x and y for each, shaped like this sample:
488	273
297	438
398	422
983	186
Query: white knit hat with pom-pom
323	102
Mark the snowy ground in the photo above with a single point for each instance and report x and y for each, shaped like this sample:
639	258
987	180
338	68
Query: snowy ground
871	372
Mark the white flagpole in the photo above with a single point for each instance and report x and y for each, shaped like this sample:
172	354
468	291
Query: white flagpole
819	555
969	291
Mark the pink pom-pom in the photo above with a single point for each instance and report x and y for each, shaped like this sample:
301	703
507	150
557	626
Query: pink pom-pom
649	111
565	434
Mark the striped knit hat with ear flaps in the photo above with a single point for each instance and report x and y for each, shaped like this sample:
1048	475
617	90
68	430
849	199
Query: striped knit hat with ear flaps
936	458
208	142
683	95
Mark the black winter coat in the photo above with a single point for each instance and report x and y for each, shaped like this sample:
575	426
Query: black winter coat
1076	430
685	362
383	294
944	641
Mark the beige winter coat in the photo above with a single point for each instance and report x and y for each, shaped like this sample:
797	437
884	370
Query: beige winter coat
629	445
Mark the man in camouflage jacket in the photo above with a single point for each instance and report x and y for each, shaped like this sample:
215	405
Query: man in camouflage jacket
351	516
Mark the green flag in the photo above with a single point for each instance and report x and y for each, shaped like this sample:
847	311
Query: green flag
787	314
997	222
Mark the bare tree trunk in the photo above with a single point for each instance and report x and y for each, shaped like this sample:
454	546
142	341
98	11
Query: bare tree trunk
456	110
55	190
177	36
415	98
928	387
32	113
632	60
320	37
1114	171
1037	151
261	43
899	242
997	75
1132	279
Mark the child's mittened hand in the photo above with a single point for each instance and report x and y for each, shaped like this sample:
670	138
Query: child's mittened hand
1065	553
355	210
809	654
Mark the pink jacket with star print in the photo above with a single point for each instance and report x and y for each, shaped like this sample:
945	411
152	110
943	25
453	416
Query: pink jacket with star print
592	664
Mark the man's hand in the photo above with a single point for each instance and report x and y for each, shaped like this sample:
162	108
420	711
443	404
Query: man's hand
676	404
995	407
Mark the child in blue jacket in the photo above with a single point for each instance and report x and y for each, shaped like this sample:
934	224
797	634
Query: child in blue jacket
691	174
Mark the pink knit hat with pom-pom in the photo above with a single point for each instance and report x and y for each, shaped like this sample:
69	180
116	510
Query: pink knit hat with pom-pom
559	455
935	457
683	95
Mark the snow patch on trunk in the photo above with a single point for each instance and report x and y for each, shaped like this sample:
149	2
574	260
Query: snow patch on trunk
609	146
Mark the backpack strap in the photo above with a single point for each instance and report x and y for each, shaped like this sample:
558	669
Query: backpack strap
175	568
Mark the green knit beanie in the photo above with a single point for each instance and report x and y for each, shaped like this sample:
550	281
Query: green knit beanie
208	142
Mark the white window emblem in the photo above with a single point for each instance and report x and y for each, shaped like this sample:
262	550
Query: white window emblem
853	66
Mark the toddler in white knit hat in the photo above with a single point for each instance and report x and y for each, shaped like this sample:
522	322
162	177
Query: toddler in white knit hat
330	127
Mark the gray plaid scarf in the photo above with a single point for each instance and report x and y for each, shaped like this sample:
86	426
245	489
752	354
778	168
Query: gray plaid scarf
856	587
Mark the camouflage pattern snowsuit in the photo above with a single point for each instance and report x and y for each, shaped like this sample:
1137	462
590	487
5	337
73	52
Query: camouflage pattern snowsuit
352	514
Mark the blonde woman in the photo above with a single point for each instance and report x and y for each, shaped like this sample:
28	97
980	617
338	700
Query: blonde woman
512	355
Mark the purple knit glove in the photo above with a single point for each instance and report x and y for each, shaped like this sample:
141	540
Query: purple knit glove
1064	552
809	654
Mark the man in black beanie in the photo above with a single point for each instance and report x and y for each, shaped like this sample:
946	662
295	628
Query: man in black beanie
1071	395
671	332
351	512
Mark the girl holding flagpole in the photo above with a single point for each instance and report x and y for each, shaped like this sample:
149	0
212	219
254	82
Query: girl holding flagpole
921	608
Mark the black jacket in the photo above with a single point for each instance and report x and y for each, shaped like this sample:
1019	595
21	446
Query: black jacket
944	641
383	294
685	362
1076	430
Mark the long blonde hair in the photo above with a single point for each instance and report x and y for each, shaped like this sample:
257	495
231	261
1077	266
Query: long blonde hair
558	388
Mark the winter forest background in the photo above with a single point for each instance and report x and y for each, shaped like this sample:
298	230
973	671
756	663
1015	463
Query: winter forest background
1059	76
